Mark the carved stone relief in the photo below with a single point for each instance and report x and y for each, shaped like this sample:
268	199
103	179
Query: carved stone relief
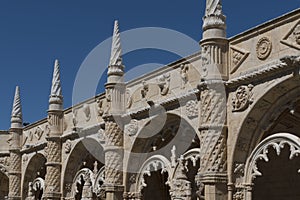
292	38
205	60
192	109
74	118
100	108
239	168
87	112
184	68
132	128
263	48
145	89
68	146
238	56
239	194
180	185
242	98
164	84
4	161
173	156
33	135
128	99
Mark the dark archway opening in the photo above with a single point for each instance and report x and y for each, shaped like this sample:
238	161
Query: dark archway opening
87	154
36	169
79	189
191	174
280	178
156	186
3	185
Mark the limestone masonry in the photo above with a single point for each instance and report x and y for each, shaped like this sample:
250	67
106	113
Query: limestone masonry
223	123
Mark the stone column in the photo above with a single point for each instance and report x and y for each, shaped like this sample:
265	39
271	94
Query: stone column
113	160
213	131
213	141
14	142
114	126
54	144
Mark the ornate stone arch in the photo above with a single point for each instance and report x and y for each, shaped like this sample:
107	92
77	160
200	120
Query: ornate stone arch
152	164
185	134
81	150
276	141
278	95
35	168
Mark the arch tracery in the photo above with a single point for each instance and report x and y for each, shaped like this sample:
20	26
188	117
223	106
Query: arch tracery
277	142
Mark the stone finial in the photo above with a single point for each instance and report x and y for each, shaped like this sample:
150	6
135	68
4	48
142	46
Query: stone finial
16	115
214	17
115	69
56	98
116	51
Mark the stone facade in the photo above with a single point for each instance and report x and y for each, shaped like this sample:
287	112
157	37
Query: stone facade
220	124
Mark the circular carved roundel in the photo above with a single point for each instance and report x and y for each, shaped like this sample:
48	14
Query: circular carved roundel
263	48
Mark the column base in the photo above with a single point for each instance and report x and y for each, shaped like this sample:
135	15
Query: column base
114	192
215	185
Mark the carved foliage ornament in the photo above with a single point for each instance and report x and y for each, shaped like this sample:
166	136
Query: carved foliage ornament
192	108
263	48
242	98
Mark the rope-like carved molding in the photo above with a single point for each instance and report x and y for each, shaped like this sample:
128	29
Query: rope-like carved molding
285	65
276	141
154	163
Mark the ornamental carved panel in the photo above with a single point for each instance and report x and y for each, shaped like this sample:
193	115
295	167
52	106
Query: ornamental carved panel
292	38
263	48
242	98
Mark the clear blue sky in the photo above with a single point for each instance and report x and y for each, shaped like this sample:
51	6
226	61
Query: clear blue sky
34	33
